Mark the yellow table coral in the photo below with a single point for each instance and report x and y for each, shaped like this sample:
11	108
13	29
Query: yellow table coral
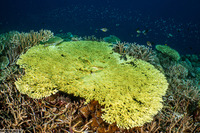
131	91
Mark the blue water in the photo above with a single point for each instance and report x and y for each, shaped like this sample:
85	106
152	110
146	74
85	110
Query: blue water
175	23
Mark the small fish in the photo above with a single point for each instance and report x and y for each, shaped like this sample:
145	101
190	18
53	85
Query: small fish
169	35
104	29
138	31
137	35
144	32
179	30
149	44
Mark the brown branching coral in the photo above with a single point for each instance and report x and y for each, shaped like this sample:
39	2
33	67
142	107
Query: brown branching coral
120	47
20	42
53	114
141	52
175	115
177	70
137	51
16	43
180	99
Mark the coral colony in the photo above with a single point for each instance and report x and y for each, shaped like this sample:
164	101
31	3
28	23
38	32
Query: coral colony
68	83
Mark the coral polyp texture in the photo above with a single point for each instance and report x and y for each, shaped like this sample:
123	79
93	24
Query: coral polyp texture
130	91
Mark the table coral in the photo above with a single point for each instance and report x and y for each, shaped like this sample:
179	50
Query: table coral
172	53
130	91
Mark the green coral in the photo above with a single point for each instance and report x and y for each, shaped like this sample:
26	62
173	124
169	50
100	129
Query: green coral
168	51
111	39
1	48
4	62
131	91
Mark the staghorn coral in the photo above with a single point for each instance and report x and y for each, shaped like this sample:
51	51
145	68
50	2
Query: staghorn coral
16	43
3	62
141	52
180	98
120	47
13	44
52	114
177	71
5	73
37	114
2	44
131	91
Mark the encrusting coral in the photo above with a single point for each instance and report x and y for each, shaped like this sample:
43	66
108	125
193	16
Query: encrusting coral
130	91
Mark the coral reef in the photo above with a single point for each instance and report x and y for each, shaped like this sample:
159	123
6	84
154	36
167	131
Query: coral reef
5	74
53	114
1	48
13	44
3	62
166	50
16	43
120	47
111	39
65	113
141	52
53	41
131	91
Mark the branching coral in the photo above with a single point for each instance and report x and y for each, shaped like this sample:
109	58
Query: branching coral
16	43
120	47
13	43
3	62
53	114
137	51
